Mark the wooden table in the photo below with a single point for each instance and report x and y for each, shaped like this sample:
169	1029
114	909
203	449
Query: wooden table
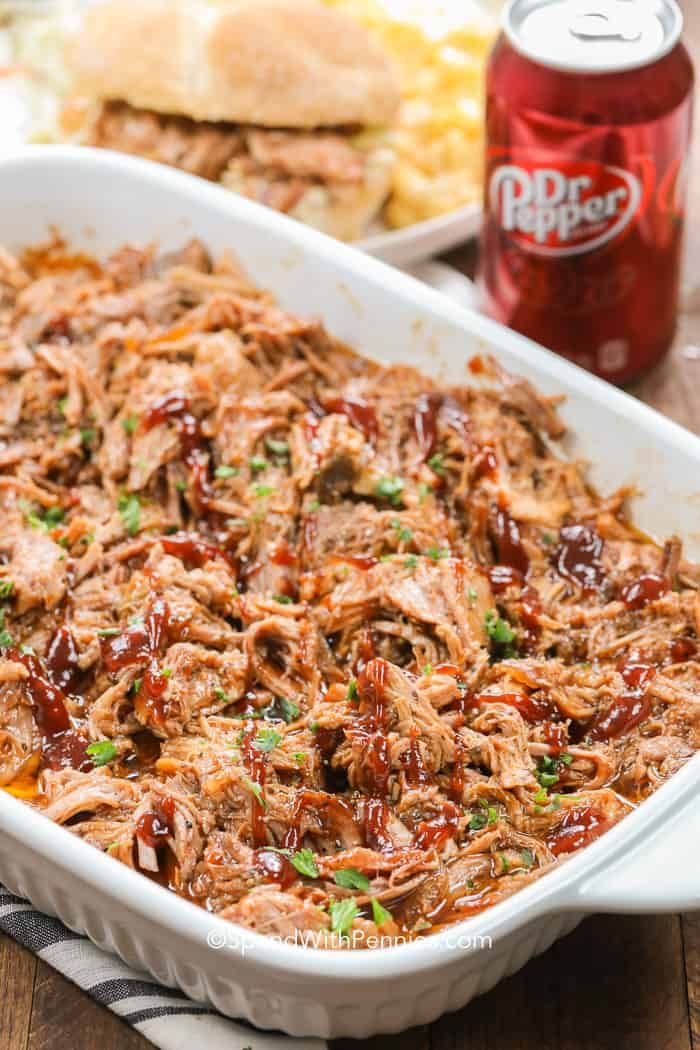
618	983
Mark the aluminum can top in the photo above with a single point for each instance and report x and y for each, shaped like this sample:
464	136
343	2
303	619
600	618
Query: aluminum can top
593	36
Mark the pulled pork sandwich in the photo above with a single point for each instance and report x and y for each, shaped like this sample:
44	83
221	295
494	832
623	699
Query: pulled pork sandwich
280	100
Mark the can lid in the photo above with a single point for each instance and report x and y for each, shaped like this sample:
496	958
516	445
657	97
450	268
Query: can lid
593	36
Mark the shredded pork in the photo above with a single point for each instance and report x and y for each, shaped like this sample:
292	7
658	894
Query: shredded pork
338	653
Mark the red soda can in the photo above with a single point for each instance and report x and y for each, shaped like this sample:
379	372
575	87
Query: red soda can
589	112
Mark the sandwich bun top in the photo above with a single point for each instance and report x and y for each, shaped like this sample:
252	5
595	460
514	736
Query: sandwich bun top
275	63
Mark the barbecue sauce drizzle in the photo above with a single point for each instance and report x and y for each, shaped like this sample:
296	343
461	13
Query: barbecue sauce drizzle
63	746
143	643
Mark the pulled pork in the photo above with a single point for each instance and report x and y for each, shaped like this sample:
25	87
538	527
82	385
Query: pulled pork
279	168
339	653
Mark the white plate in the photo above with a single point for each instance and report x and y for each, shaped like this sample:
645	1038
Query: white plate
647	863
422	240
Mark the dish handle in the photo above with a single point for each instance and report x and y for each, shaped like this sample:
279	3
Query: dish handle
659	874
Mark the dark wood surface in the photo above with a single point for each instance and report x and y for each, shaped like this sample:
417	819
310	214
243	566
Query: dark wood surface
615	983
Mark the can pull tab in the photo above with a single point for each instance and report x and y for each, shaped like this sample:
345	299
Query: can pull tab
602	23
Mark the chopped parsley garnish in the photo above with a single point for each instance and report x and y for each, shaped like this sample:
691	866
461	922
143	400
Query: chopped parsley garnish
267	740
224	471
504	863
436	463
541	795
547	772
403	534
260	491
352	690
129	507
300	757
256	790
547	539
6	640
288	709
181	485
410	562
438	553
166	672
351	879
220	694
46	521
108	632
258	463
428	669
136	685
379	913
390	489
6	588
527	857
87	435
423	492
277	448
343	914
305	863
283	599
129	423
489	815
62	405
314	505
473	594
102	752
499	631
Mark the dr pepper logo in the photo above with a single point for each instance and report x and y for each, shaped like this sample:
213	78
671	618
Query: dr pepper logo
567	210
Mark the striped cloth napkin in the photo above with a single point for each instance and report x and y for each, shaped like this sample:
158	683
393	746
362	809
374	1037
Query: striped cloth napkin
164	1016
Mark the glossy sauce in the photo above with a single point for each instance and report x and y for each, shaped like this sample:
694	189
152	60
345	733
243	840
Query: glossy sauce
275	867
375	817
578	557
433	409
412	761
175	407
502	577
508	541
577	828
156	826
648	588
485	461
556	735
62	660
361	414
432	834
628	710
63	747
255	764
143	643
682	649
370	728
531	708
189	547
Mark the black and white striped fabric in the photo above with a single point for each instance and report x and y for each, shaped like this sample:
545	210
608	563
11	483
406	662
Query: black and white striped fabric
164	1016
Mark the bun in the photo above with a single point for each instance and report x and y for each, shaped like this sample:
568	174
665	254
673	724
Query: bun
274	63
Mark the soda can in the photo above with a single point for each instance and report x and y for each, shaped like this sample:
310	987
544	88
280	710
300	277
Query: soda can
588	116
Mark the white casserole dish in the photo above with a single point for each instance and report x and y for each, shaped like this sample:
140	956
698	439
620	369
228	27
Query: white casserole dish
648	863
